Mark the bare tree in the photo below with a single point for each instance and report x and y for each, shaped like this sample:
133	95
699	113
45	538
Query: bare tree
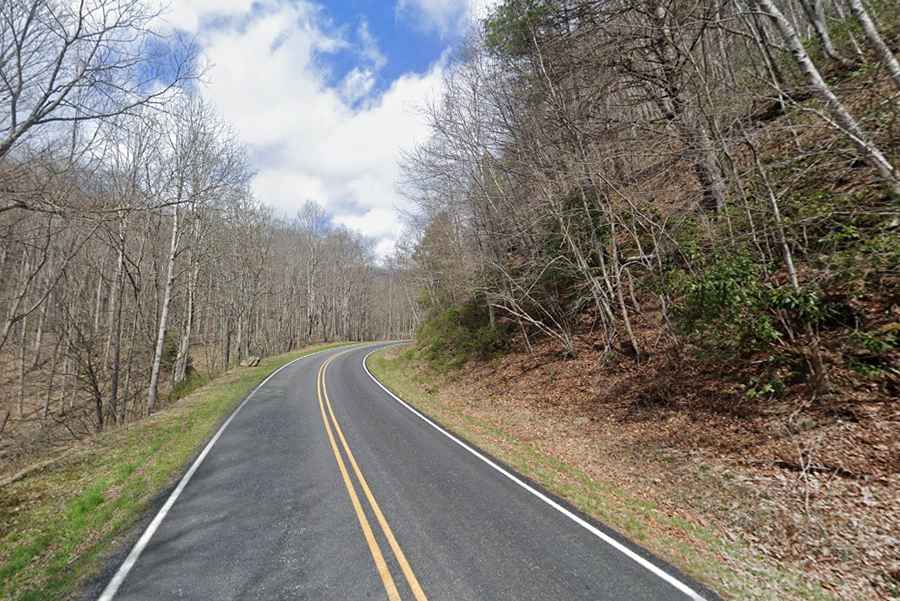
874	36
839	116
79	62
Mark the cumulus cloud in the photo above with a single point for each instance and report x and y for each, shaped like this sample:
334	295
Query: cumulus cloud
369	46
357	84
312	138
447	17
188	14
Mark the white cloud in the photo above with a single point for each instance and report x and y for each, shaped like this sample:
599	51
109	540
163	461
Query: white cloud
187	14
314	139
357	84
370	49
381	222
445	16
292	188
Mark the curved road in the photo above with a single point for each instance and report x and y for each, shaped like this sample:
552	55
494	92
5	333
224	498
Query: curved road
325	486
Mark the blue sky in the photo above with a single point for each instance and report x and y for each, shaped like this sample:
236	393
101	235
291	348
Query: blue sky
327	94
409	47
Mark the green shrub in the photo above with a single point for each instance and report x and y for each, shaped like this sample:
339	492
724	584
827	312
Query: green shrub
863	258
191	382
722	306
874	352
763	388
450	337
728	307
170	350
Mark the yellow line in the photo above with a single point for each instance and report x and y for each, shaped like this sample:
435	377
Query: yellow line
380	564
411	579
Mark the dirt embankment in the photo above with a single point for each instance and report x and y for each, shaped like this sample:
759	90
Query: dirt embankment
811	483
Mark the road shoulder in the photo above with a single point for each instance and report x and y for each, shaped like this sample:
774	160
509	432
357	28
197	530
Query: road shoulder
66	520
684	540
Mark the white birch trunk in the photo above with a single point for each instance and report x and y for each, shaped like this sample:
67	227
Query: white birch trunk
815	12
184	348
842	117
884	53
152	392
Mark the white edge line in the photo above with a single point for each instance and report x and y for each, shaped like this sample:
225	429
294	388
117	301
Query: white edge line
656	570
119	577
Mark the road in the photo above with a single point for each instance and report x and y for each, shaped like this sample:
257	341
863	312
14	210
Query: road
325	486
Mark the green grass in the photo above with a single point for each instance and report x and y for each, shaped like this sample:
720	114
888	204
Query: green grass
191	383
731	568
60	524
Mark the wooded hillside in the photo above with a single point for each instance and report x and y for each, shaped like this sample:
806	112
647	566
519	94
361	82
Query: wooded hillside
721	173
673	228
133	256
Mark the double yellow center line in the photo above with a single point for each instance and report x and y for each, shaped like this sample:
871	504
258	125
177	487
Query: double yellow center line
380	563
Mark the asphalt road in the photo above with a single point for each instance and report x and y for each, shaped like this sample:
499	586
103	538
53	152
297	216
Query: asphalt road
268	512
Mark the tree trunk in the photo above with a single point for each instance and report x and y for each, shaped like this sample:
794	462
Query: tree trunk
184	348
68	400
39	334
115	332
240	338
884	52
815	12
48	398
842	117
23	332
226	352
819	381
98	297
707	170
698	146
617	273
152	392
123	404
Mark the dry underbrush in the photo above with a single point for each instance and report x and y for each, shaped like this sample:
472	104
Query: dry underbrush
814	483
33	437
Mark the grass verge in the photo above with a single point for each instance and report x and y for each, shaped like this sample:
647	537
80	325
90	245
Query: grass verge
61	523
731	567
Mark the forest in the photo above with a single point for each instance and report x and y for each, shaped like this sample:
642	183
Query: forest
668	226
674	220
135	261
729	168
